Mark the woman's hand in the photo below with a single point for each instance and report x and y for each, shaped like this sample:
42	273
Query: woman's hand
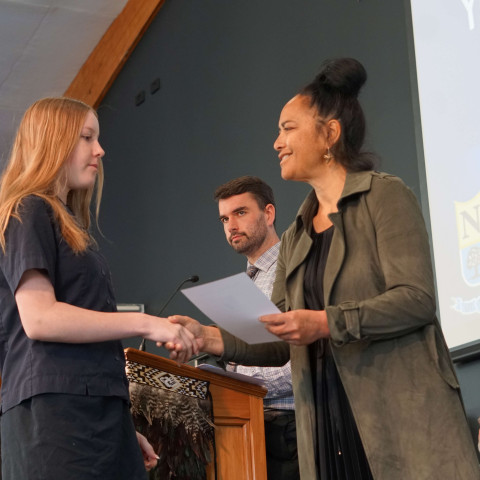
149	456
175	337
208	338
298	327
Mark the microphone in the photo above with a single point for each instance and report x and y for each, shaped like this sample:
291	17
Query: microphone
193	279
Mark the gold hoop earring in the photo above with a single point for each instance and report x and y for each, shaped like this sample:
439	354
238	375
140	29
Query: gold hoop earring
328	156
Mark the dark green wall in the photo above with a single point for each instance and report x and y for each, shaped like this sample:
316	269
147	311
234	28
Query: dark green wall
226	68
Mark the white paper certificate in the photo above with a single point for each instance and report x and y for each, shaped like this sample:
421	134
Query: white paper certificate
235	303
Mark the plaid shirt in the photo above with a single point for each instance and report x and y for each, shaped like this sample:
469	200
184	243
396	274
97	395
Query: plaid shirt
278	380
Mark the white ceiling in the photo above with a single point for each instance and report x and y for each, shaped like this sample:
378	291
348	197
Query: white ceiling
43	44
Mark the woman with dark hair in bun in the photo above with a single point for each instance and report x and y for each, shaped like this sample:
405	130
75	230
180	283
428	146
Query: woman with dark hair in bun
354	277
376	394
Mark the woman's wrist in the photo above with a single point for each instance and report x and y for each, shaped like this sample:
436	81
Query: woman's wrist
212	338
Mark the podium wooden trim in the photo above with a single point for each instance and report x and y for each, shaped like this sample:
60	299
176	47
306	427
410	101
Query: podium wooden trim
238	418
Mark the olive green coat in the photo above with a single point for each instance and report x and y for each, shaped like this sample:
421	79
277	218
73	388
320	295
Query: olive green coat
386	341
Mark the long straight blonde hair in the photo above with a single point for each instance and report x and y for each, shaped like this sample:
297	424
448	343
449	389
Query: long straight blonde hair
48	133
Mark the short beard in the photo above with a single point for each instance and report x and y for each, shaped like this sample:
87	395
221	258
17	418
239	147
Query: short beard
250	246
255	241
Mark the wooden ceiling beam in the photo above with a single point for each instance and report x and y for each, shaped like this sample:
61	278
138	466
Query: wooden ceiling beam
112	51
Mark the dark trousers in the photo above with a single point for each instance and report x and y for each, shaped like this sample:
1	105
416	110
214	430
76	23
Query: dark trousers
281	445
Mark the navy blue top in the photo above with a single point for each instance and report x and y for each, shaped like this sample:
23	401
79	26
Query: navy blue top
31	367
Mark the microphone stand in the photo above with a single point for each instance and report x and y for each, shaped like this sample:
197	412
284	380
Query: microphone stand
193	279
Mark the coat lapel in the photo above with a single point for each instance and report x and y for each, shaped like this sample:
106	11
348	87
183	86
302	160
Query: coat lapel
299	254
354	183
335	256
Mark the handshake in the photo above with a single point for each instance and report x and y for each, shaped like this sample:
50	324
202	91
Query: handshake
296	327
190	338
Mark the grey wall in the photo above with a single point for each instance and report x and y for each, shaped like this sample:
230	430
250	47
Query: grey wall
226	68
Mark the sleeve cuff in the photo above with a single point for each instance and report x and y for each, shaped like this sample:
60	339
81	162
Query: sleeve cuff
344	323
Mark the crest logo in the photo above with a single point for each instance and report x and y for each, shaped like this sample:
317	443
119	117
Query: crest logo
468	231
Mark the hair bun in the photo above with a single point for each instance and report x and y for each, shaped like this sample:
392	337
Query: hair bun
345	75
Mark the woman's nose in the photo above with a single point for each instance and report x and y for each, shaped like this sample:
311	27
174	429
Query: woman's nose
100	152
278	143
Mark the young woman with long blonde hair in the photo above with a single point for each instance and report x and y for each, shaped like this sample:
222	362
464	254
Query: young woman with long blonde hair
65	411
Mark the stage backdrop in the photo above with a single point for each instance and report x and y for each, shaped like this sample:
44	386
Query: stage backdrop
447	49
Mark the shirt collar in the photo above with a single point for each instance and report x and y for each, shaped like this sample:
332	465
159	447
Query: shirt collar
267	259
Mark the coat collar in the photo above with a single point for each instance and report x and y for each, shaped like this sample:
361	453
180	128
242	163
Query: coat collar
355	182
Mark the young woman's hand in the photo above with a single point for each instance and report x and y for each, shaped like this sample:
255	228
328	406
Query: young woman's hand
150	458
175	337
208	338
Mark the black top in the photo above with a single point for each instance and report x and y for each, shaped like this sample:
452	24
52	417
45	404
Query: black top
30	367
340	453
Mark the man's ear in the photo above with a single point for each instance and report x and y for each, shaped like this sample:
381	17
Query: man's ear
270	213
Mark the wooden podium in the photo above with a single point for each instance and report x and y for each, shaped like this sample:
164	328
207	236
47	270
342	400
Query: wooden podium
238	417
